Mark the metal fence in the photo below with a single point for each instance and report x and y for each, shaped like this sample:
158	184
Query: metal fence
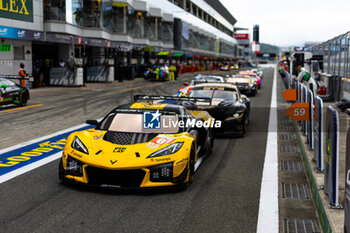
335	55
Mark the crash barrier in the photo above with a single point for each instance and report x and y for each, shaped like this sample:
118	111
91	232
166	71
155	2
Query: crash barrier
347	185
100	74
318	133
299	92
310	123
345	89
330	87
66	77
286	78
317	116
304	100
331	159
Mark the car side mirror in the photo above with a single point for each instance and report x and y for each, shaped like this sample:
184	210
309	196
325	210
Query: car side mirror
92	122
4	86
186	83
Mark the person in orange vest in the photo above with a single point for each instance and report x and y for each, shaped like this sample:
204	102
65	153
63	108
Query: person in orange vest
22	73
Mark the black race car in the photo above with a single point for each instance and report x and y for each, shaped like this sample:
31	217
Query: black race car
227	105
11	93
221	100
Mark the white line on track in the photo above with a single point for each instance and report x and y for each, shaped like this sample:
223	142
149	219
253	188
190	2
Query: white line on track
29	167
268	206
39	163
41	139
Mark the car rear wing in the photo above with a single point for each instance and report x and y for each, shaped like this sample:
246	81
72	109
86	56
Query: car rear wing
196	82
151	98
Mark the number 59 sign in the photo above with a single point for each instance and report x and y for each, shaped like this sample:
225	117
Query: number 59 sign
299	112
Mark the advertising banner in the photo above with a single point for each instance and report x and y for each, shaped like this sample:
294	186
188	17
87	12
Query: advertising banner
331	178
318	133
347	185
18	10
310	123
18	33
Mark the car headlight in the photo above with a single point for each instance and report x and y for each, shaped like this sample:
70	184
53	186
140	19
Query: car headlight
168	150
74	167
79	146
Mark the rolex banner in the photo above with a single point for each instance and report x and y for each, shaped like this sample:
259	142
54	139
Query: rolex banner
331	178
318	133
17	9
347	185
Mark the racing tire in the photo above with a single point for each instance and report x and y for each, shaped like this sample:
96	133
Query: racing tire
23	98
254	92
244	126
191	166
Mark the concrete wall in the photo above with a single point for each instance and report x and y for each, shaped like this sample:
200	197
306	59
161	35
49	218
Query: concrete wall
8	64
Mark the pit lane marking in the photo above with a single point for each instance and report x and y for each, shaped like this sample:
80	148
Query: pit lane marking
268	206
10	172
15	109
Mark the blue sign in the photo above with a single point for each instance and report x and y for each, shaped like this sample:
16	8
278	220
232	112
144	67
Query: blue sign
15	159
17	33
318	133
331	178
310	123
151	120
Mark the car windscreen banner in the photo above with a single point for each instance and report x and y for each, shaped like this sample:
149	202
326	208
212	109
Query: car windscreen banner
310	123
318	133
331	178
347	185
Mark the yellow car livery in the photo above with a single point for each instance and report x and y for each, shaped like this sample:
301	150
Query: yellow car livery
139	145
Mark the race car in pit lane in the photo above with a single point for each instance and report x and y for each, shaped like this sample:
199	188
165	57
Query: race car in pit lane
139	145
11	93
252	75
199	79
151	73
244	83
259	72
227	105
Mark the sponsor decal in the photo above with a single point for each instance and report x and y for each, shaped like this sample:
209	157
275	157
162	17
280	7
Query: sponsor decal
43	148
152	145
98	137
21	33
113	162
31	153
119	149
76	154
162	140
160	160
151	120
181	161
37	35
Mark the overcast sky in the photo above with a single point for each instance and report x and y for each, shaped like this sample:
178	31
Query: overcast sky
286	23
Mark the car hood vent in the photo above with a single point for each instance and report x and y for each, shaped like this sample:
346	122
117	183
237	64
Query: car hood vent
122	138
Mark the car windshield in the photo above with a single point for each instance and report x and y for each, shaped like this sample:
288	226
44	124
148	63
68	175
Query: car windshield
226	95
148	122
6	82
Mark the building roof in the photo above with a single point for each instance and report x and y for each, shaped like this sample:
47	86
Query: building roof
217	5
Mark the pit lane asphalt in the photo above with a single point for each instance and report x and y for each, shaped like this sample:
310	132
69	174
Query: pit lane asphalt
223	198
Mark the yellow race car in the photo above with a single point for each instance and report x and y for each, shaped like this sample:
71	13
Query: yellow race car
138	145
